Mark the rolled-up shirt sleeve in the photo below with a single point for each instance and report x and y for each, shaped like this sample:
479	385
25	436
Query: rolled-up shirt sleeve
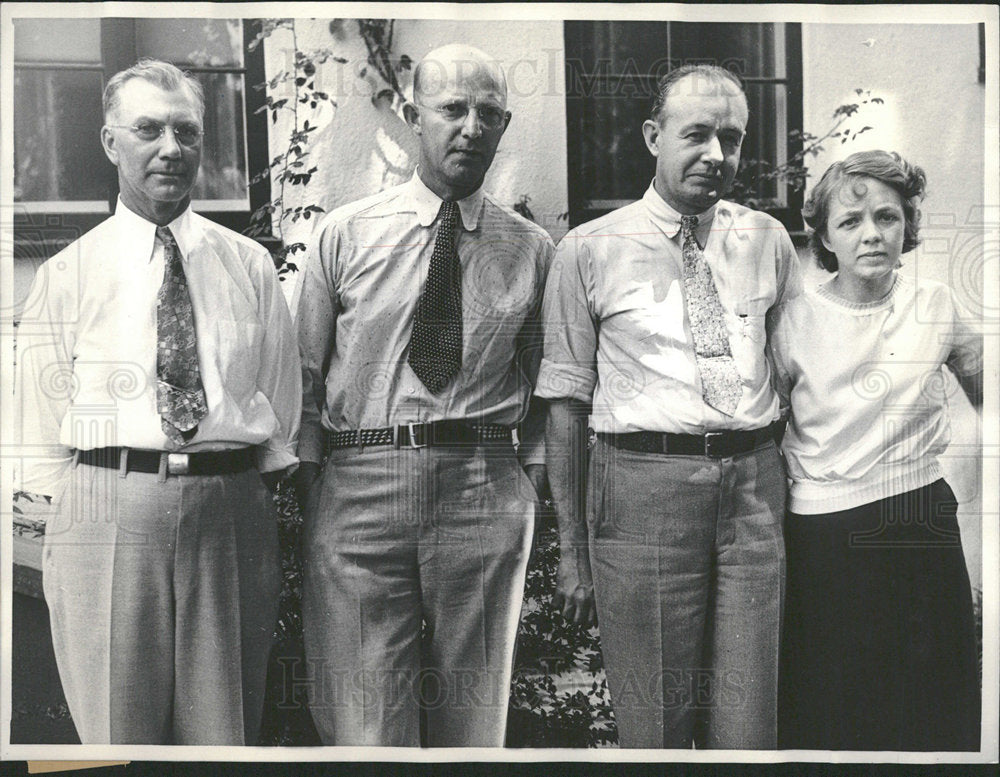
569	364
317	304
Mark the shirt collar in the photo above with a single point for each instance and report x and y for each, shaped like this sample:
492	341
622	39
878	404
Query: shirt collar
669	220
139	235
428	204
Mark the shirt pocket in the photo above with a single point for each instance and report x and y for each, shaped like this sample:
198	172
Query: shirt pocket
748	321
751	329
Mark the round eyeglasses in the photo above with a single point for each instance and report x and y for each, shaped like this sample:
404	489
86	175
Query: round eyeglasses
185	133
490	116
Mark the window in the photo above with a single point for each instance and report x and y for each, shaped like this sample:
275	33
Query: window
60	69
612	69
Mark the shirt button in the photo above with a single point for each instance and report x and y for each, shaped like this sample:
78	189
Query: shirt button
409	390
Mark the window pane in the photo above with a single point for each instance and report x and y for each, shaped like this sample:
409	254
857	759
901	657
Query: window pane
612	68
191	42
57	40
766	140
57	148
747	49
616	163
223	160
626	47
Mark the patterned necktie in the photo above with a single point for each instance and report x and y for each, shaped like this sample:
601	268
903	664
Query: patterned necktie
436	339
180	396
721	386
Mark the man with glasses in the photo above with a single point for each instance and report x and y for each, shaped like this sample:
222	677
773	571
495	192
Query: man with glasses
160	392
419	335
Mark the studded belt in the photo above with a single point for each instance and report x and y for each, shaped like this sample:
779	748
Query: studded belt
432	434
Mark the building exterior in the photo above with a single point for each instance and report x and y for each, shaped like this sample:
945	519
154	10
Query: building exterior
578	91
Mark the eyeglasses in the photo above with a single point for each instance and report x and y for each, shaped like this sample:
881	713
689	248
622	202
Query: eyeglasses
186	134
489	116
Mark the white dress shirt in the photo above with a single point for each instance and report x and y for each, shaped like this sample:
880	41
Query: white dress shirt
616	324
87	347
359	291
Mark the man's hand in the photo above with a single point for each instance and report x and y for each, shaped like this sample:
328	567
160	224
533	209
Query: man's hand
304	479
574	594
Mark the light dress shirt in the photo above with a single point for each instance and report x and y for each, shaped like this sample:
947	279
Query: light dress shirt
87	347
616	326
869	403
355	306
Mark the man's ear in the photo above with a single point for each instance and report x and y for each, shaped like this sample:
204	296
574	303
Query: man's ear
108	143
650	133
412	116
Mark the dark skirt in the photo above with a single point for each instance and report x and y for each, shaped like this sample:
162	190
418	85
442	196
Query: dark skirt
878	641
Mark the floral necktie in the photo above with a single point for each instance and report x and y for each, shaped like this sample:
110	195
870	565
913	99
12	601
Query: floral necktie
180	396
721	386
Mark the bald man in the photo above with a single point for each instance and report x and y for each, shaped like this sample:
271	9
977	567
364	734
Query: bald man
419	331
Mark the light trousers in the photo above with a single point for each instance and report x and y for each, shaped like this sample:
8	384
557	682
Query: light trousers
414	574
688	563
162	596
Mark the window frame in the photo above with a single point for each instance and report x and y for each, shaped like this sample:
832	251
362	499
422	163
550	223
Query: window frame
118	52
583	209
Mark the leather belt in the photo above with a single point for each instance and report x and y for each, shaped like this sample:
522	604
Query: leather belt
433	434
714	445
139	460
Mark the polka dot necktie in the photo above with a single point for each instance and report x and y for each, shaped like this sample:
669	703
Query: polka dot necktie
436	339
180	396
721	385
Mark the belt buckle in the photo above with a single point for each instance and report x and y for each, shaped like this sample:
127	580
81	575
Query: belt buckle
413	436
709	436
178	463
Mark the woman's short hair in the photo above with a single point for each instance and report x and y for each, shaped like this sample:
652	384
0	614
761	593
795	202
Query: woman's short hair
166	76
908	181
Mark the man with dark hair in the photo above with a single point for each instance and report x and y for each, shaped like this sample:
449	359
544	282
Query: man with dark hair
420	339
160	389
656	321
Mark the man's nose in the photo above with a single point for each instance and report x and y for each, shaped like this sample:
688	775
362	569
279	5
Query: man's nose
169	147
713	151
472	126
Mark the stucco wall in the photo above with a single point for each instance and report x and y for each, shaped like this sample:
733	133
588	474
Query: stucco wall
933	115
361	148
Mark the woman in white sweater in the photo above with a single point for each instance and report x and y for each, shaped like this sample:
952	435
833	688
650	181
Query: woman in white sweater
878	644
